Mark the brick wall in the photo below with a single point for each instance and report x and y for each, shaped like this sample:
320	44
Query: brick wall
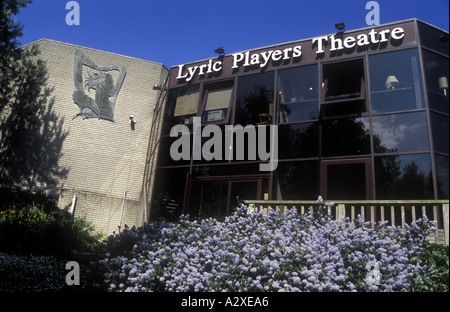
97	159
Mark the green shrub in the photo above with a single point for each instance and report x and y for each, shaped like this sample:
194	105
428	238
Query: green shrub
20	273
436	257
31	229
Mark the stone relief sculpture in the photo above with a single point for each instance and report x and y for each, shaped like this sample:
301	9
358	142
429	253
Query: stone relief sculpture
98	78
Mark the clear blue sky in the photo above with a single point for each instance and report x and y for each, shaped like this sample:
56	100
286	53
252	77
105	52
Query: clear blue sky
173	32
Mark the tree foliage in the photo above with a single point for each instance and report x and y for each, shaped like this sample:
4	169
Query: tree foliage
31	133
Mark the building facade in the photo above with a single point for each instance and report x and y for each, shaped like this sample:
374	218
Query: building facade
92	147
353	115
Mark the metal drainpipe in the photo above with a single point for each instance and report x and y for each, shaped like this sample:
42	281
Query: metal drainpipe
123	204
74	203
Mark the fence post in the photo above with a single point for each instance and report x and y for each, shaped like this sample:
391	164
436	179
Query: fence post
341	212
445	213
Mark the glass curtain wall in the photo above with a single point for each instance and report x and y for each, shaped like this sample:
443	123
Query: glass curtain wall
375	124
435	52
400	129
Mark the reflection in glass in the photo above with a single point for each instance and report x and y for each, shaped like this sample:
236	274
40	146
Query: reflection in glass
296	180
298	140
297	94
442	176
395	81
400	133
345	136
433	38
439	124
437	75
403	177
254	99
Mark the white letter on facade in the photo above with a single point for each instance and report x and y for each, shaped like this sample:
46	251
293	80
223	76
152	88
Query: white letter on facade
319	43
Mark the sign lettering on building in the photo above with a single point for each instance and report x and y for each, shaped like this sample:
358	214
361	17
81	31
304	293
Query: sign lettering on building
293	53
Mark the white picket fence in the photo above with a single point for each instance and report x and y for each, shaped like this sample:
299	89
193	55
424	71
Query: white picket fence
396	212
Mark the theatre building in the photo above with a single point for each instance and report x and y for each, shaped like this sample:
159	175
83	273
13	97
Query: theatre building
353	115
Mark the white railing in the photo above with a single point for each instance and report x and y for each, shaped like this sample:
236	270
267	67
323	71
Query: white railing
396	212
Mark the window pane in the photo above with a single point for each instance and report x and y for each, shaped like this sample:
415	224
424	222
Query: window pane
395	81
442	176
403	177
296	181
343	80
180	106
254	100
299	140
297	94
400	133
345	136
217	101
433	38
219	98
186	104
439	125
437	74
346	181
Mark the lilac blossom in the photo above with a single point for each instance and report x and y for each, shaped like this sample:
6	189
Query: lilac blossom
272	252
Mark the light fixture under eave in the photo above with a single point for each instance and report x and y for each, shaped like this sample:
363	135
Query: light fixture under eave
391	82
220	51
340	26
159	87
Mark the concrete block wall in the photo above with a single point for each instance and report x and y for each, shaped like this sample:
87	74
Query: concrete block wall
101	159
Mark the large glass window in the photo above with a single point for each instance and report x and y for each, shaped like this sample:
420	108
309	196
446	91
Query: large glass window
297	96
403	177
254	99
296	181
437	74
400	133
345	136
395	82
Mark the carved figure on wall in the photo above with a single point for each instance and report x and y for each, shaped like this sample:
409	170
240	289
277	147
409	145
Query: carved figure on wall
98	78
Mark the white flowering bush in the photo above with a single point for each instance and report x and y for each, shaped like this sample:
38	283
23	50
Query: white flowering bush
273	252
